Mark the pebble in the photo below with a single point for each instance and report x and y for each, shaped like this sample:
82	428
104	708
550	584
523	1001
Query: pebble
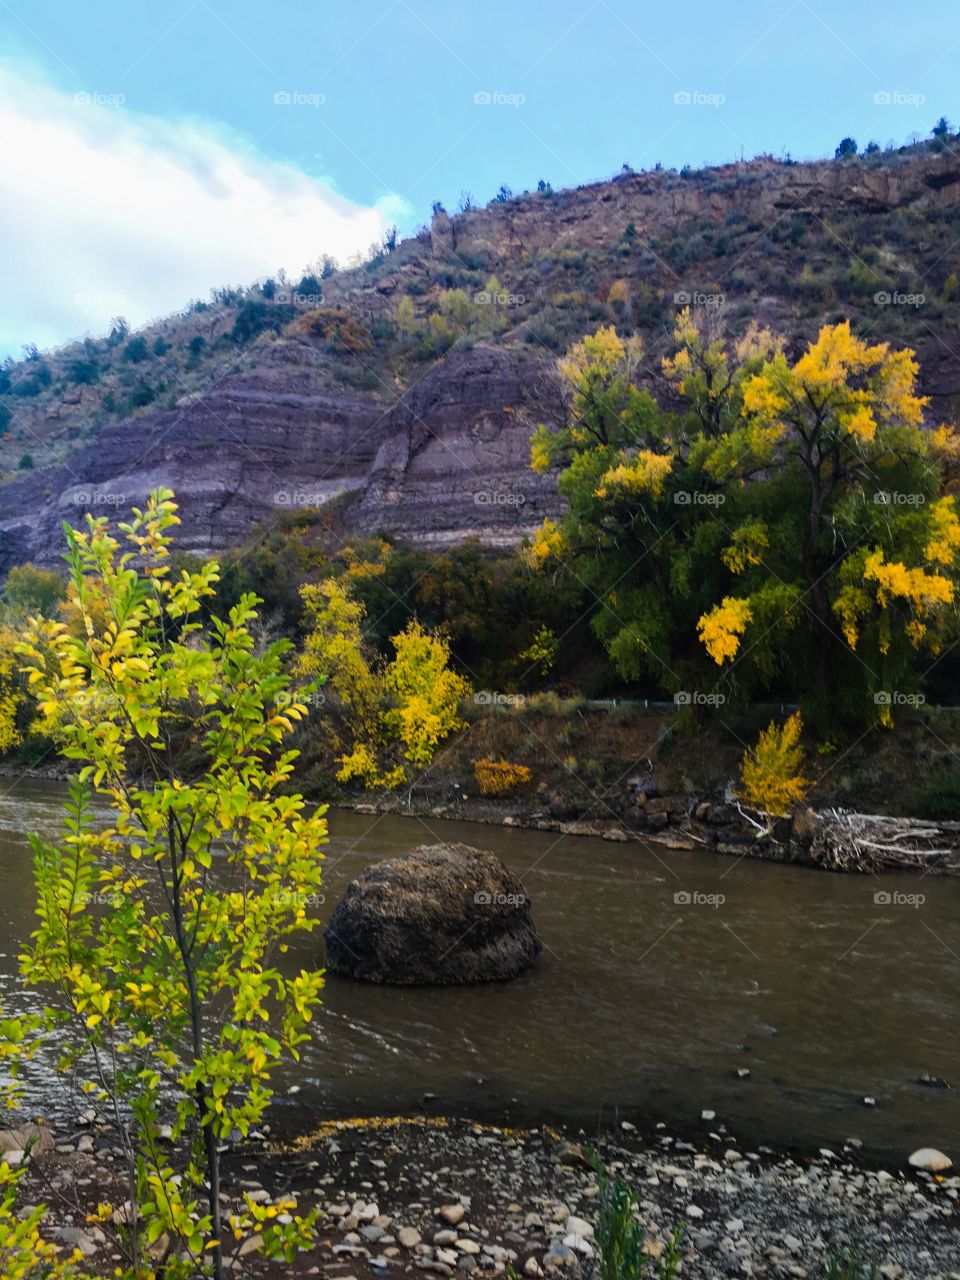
754	1215
578	1227
559	1256
578	1244
933	1082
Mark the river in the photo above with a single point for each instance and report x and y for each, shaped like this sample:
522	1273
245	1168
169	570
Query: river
663	974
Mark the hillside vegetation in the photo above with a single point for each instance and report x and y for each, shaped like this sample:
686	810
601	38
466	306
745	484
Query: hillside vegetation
794	246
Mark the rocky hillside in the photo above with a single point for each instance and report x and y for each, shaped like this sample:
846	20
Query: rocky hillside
405	388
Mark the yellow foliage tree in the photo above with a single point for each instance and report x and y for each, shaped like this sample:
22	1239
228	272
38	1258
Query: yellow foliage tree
618	298
333	655
383	722
771	776
10	696
642	472
721	628
426	694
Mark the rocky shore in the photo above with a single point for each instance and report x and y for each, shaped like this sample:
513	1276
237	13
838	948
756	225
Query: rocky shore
417	1197
687	822
673	821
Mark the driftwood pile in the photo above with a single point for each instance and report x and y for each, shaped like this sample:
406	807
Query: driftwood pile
845	841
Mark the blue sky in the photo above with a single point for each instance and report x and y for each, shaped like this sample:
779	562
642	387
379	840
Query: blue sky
383	118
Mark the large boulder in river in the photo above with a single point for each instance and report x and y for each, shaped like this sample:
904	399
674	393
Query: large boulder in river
443	914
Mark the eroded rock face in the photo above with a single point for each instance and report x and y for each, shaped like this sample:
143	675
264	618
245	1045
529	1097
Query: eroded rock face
447	460
444	914
455	459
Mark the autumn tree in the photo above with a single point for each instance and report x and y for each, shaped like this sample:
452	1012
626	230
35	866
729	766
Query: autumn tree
406	317
336	659
771	775
158	931
845	550
390	716
643	530
790	515
11	696
30	589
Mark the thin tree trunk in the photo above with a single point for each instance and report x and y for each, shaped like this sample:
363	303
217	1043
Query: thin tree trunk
202	1095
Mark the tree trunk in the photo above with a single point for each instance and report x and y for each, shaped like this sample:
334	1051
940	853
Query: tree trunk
815	567
196	1027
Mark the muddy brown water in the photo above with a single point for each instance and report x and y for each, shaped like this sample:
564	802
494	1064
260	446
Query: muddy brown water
662	974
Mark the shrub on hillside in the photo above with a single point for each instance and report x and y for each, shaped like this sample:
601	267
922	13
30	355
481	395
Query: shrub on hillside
255	318
337	327
136	350
496	777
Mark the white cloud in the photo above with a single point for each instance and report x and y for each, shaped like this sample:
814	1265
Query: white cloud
104	213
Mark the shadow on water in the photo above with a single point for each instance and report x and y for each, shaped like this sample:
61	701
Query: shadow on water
663	975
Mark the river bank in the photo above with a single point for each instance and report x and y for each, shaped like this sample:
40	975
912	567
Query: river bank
637	812
833	841
415	1196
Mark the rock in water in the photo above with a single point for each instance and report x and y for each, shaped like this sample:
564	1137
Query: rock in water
440	915
930	1159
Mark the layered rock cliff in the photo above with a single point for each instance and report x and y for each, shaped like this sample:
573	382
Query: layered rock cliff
445	460
427	440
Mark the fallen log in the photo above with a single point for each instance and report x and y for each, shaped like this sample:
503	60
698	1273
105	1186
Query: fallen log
866	842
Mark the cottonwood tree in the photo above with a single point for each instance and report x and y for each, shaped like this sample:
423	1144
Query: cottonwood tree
793	516
643	528
846	536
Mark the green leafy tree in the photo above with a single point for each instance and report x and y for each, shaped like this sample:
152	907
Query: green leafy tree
642	531
844	553
457	309
136	350
158	933
542	652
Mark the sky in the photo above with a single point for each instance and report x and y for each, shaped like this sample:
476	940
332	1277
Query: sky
153	149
